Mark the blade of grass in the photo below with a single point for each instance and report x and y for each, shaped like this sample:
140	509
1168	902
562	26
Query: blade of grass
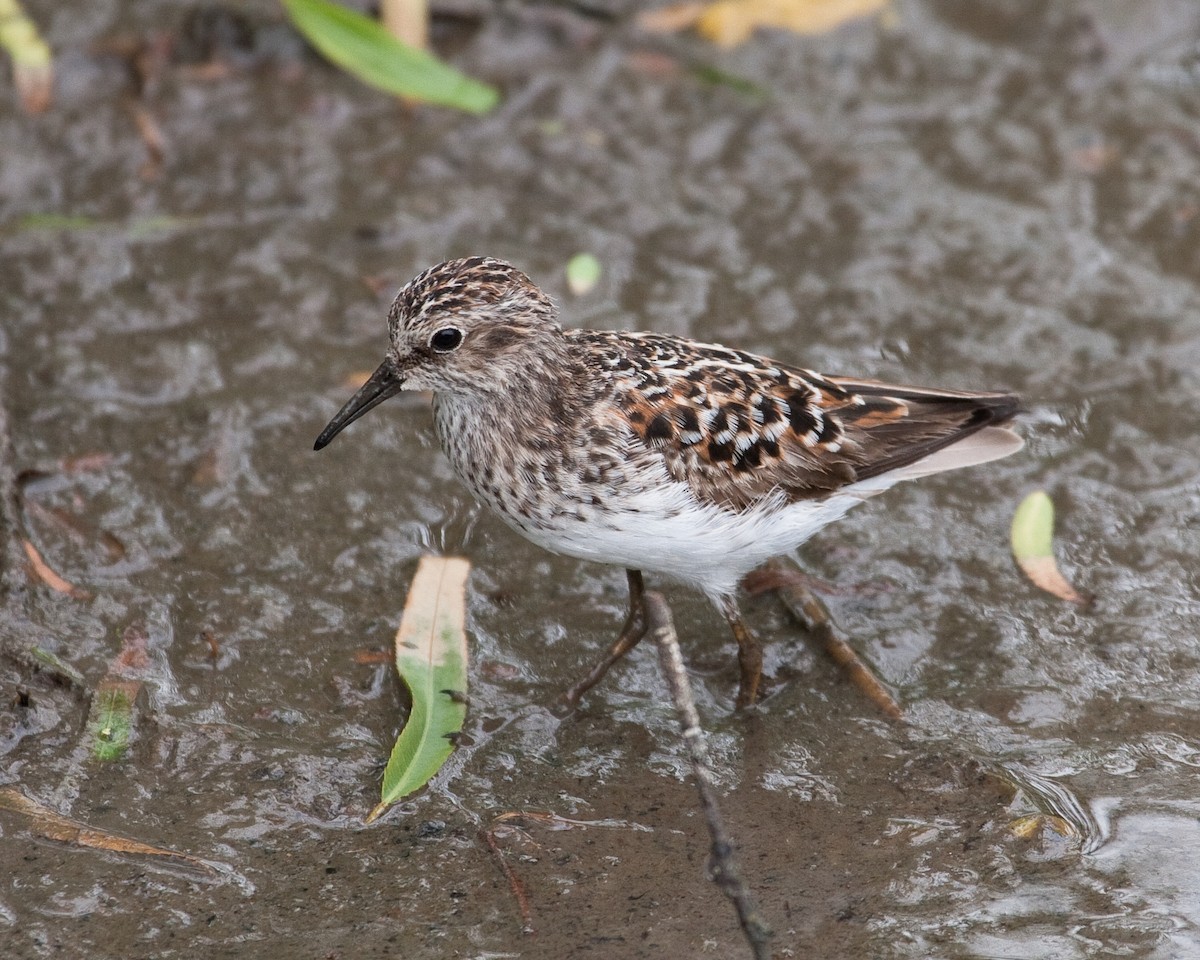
363	47
431	656
58	666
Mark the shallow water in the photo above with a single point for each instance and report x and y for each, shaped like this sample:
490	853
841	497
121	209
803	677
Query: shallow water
1002	198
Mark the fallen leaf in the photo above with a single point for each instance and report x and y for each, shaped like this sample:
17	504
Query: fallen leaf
407	21
431	657
133	658
59	667
86	462
728	23
110	719
153	140
214	645
1032	546
33	65
672	19
364	48
654	64
556	822
43	572
45	822
1035	825
583	273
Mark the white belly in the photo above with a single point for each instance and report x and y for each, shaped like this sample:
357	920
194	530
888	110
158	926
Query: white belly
666	531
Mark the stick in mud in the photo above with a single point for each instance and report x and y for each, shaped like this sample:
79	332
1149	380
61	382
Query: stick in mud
722	868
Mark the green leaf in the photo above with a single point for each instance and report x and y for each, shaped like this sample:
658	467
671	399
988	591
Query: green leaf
583	272
110	720
722	78
364	48
1033	547
431	656
57	665
52	221
1033	527
33	66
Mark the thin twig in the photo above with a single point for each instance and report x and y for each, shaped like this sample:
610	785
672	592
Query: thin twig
514	882
722	868
814	616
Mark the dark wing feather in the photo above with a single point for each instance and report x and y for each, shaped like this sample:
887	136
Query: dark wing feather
927	421
737	427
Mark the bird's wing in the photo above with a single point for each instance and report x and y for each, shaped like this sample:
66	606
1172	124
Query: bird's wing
737	427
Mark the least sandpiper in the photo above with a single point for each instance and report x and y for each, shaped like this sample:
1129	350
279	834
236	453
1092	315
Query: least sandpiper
656	453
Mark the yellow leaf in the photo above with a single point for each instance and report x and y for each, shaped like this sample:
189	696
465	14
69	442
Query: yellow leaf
670	19
1032	533
33	66
728	23
1038	824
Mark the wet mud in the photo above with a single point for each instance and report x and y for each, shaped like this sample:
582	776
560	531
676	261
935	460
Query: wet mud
999	195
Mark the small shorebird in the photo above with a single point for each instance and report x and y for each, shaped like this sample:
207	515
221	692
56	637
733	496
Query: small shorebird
656	453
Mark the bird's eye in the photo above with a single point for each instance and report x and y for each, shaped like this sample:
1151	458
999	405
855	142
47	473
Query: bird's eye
446	339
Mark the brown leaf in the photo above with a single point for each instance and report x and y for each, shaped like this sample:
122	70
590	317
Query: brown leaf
1032	546
86	462
670	19
1043	572
133	657
153	139
407	21
43	572
46	823
730	22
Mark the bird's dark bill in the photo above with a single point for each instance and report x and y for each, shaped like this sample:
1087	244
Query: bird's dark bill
384	382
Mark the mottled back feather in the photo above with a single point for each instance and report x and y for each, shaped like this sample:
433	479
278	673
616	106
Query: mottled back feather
738	427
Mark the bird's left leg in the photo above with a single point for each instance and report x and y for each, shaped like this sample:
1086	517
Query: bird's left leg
750	658
631	634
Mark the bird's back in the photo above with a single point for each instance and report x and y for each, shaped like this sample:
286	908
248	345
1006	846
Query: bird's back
737	428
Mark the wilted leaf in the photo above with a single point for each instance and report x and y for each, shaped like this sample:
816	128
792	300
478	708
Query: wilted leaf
583	272
1032	546
728	23
431	656
1044	806
672	19
1035	825
363	47
407	21
44	573
45	822
33	66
